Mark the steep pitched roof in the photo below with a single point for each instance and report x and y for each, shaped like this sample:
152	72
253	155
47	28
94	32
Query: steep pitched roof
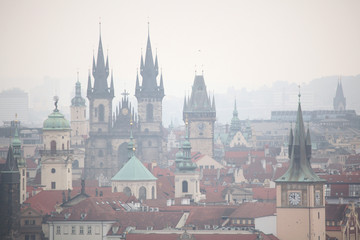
134	170
300	169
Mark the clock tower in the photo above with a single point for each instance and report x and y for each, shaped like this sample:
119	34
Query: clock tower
201	114
300	198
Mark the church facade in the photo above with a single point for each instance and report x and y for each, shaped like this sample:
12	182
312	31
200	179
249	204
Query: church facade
106	147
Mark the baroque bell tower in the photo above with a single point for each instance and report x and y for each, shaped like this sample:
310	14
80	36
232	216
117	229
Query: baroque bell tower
300	198
149	95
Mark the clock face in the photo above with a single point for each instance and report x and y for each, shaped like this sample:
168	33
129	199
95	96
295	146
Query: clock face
294	198
317	198
201	126
124	111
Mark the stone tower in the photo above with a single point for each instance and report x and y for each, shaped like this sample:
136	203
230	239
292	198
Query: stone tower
149	95
201	114
339	99
98	161
300	198
10	198
79	125
56	158
187	179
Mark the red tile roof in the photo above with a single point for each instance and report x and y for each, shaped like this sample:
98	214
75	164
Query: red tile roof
254	210
261	193
214	236
334	212
30	164
341	179
45	201
209	215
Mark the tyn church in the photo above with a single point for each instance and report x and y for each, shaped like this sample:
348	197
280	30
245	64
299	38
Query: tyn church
106	148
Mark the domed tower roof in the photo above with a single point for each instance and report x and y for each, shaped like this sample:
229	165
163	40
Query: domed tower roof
78	100
56	120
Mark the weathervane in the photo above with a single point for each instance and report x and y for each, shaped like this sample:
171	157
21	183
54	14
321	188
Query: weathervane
56	99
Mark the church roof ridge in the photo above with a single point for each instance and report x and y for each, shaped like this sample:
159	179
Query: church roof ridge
133	170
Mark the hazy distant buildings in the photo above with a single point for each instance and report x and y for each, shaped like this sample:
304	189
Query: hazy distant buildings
14	102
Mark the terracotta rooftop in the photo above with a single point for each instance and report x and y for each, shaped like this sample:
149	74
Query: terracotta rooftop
341	179
254	210
334	212
261	193
214	215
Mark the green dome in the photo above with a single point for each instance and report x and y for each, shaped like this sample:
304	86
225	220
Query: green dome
56	121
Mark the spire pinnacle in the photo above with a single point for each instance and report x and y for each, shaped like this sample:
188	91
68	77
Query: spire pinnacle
299	95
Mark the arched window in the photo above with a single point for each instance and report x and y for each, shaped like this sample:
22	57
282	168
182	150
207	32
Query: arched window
149	112
101	113
127	191
184	186
142	193
115	189
53	147
152	192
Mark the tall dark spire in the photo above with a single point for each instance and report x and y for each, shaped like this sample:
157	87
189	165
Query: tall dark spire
300	168
100	72
149	72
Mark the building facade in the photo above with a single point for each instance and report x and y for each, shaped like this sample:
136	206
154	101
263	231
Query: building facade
56	158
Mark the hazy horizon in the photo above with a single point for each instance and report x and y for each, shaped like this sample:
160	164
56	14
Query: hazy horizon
238	44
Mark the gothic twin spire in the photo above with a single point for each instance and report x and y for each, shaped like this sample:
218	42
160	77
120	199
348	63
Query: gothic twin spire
100	72
149	72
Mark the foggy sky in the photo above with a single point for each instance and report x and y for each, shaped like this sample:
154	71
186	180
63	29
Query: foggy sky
240	44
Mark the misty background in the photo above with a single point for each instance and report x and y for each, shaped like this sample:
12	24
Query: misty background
254	51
